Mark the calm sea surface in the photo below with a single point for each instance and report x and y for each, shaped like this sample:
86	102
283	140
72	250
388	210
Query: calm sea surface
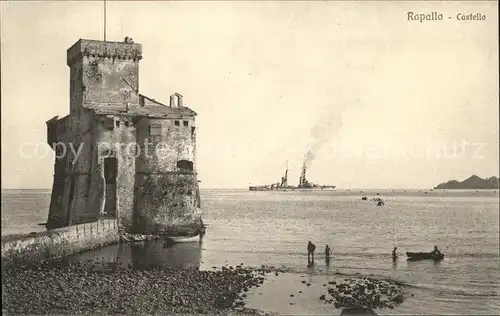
273	228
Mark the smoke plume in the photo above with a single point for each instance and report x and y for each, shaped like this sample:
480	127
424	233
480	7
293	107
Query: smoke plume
325	129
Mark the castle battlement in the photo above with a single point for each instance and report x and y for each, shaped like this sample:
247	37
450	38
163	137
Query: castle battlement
126	50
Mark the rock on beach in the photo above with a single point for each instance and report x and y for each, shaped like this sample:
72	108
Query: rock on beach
363	294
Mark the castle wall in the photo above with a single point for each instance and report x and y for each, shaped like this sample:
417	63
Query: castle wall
72	176
104	85
81	169
126	135
166	196
173	144
57	133
57	215
76	87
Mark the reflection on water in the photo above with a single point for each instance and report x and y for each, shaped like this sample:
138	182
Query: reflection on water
143	255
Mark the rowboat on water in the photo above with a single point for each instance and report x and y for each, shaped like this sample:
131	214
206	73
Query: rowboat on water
183	239
415	256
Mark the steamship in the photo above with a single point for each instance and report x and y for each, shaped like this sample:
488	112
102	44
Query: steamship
304	185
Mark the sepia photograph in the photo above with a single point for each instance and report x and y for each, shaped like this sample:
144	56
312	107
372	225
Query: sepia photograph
250	157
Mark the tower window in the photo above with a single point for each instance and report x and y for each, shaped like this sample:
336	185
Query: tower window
126	124
185	165
155	129
176	123
108	124
185	123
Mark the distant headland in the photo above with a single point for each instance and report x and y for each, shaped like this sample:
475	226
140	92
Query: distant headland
472	183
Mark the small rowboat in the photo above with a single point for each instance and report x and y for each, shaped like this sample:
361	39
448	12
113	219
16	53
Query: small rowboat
415	256
183	239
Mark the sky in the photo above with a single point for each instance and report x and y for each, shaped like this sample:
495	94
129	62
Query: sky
371	99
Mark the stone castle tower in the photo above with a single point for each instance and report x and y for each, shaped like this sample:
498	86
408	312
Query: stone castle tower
119	153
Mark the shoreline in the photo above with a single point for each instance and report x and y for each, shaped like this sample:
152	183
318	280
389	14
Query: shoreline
274	297
80	287
274	294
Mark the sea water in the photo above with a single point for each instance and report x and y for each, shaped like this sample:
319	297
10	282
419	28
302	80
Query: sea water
273	228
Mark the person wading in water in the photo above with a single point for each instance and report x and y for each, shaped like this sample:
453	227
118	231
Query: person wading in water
327	254
310	252
394	254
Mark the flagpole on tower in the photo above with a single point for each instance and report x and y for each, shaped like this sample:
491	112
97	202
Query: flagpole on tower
105	20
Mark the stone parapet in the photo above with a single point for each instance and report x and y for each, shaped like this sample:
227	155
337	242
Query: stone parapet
57	243
112	50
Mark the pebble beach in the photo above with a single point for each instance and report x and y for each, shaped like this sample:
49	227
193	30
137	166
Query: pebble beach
79	288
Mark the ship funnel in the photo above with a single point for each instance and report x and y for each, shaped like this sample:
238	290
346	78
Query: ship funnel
284	179
302	179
